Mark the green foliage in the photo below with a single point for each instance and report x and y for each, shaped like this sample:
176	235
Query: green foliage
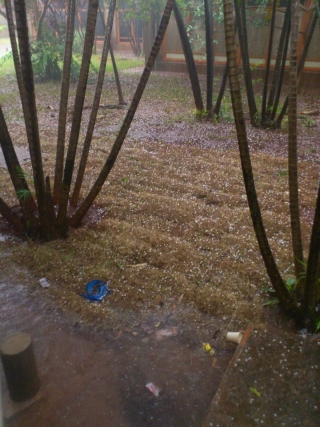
47	54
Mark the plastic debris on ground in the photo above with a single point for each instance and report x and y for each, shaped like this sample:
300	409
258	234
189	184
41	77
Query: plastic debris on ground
153	388
164	333
96	290
44	283
207	347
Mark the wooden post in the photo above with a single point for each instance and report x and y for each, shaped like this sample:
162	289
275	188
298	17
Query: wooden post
19	366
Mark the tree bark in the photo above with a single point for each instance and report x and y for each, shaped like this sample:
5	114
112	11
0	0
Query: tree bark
286	301
277	67
268	61
77	112
191	66
31	118
292	145
64	96
208	12
240	8
95	106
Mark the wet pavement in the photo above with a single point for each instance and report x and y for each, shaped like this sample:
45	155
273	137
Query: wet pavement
273	380
99	379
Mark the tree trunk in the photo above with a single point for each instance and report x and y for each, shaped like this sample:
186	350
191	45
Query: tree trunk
286	301
96	188
23	193
208	12
64	96
191	66
277	67
292	140
243	40
42	16
268	61
77	112
31	118
95	106
115	69
300	66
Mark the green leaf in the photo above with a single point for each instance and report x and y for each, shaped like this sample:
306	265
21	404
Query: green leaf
291	281
272	302
255	391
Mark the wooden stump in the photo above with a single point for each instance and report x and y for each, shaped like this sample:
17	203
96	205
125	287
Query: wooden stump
19	366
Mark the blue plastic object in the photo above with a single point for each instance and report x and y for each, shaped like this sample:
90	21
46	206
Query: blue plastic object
96	290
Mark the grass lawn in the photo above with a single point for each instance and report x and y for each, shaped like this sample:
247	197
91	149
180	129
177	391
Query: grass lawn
171	226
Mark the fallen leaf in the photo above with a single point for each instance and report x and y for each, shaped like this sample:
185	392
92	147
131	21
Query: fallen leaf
255	391
138	265
180	298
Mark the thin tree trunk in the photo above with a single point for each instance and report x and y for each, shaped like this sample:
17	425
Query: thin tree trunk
31	118
191	66
42	16
77	112
311	290
95	105
277	66
14	47
286	301
208	12
292	140
280	78
23	193
268	61
216	110
96	188
243	40
300	66
64	96
114	65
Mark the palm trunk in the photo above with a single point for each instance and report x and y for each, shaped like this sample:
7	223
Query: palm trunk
31	118
292	154
64	96
243	40
114	65
300	66
286	301
268	61
280	79
191	66
208	12
14	47
311	289
24	195
95	106
96	188
277	67
77	112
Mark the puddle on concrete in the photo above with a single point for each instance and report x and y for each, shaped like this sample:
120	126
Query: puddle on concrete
99	379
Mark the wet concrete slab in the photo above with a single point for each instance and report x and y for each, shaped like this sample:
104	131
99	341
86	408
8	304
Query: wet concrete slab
273	380
99	379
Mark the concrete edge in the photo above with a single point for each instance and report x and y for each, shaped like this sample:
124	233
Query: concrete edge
235	357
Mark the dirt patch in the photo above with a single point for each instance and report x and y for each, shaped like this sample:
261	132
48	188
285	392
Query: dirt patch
91	378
